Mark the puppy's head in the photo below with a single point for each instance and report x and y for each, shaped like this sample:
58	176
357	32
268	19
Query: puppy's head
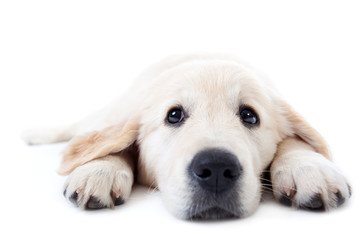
206	137
206	130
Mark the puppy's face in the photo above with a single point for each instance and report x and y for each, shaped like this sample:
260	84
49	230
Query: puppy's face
205	139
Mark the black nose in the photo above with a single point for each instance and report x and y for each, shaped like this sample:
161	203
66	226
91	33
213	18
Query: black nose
215	170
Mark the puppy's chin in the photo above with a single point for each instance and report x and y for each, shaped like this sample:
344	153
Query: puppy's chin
214	213
213	207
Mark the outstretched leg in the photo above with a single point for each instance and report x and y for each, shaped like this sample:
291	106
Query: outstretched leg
304	178
104	182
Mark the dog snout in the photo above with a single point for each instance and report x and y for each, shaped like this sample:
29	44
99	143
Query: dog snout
215	170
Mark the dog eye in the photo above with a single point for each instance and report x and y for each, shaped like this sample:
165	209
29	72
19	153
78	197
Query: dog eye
175	115
249	116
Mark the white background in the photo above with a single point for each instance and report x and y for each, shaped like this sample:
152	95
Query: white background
60	60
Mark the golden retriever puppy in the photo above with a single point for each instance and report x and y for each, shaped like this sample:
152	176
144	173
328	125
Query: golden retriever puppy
202	129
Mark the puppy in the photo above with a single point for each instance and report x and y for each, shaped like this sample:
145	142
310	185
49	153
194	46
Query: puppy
202	129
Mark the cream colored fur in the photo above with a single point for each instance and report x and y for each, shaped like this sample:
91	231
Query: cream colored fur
210	88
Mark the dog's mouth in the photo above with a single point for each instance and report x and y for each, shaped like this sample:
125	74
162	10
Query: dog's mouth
214	213
211	206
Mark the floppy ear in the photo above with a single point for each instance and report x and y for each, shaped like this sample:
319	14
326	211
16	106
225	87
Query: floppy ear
300	128
93	145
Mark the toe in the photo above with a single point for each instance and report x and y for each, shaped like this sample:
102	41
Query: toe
315	203
94	203
339	199
285	200
73	198
118	201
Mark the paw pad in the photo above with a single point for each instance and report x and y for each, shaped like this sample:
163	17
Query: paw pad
73	198
315	203
285	200
118	201
339	199
94	203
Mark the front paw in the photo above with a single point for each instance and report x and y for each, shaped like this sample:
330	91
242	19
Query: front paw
309	182
99	184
